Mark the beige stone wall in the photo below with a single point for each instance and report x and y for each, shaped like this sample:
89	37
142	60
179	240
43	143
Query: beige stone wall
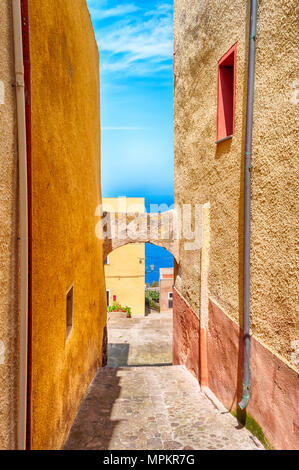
8	234
206	172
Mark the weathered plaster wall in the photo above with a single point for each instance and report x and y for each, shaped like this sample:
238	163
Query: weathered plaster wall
275	184
274	389
206	172
66	192
186	335
8	235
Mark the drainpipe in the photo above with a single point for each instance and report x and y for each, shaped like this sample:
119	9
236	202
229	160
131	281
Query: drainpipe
247	204
23	211
27	77
22	83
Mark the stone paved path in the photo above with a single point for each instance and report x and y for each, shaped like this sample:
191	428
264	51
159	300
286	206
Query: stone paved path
150	407
140	340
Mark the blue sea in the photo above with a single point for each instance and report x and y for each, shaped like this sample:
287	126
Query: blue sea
155	255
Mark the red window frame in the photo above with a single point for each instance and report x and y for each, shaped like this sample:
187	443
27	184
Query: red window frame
226	94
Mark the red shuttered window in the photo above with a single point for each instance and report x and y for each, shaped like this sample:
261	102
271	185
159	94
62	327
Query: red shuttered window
226	95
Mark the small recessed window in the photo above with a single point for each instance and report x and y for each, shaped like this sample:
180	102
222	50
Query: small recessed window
108	297
170	303
106	260
69	311
226	95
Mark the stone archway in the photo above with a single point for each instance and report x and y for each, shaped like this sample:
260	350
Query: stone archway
119	229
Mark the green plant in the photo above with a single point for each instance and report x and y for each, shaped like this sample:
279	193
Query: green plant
153	294
150	300
129	312
116	307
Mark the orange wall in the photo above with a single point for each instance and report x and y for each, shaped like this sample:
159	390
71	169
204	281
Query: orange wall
66	192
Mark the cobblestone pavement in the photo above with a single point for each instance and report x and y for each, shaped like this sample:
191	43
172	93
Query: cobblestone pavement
150	407
140	340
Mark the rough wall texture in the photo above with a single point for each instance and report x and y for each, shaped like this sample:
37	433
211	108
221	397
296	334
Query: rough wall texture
206	172
275	185
8	235
275	392
186	336
209	173
66	192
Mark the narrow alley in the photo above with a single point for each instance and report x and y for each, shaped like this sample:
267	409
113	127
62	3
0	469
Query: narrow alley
150	406
148	208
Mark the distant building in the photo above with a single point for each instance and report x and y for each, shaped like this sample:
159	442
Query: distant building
166	286
125	267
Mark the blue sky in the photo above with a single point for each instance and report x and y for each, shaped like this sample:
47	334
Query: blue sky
135	44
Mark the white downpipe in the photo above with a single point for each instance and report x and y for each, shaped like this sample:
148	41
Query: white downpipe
23	214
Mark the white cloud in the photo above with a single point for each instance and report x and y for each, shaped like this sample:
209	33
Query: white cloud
119	10
96	4
162	8
120	128
138	44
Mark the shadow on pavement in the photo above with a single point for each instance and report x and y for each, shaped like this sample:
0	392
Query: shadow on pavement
93	427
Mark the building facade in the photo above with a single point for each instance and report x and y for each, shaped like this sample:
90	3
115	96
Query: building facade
125	266
166	281
66	287
211	58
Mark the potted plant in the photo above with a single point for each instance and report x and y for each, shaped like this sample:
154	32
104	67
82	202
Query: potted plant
116	307
129	312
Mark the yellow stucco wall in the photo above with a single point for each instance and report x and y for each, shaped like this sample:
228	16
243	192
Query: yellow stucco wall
8	235
125	273
66	192
206	172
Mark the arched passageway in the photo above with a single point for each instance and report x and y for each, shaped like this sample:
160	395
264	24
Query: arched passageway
119	229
